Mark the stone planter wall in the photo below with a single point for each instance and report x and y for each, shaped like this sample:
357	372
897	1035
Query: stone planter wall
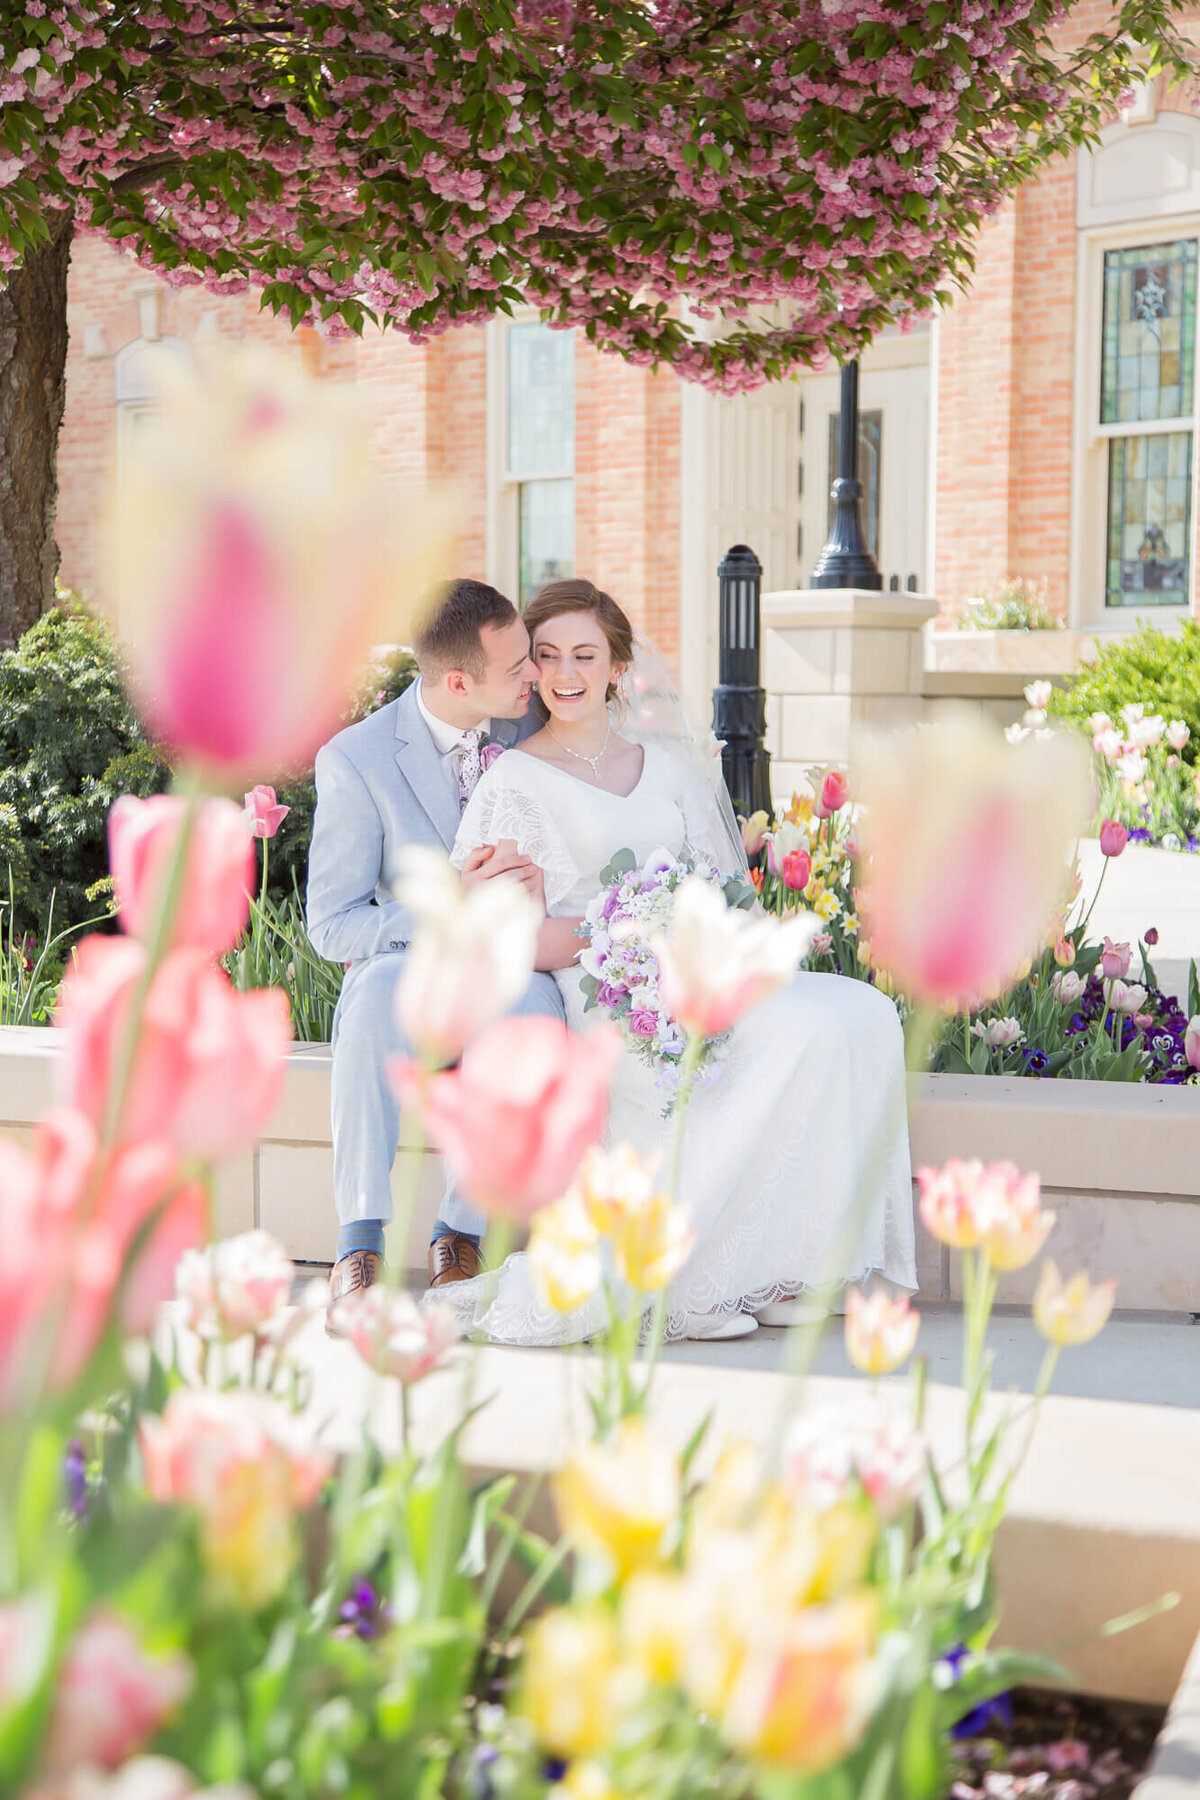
1120	1164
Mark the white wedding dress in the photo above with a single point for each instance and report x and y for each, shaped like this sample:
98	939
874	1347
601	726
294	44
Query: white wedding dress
795	1166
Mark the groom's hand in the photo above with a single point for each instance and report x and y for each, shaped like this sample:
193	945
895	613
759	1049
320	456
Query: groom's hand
489	860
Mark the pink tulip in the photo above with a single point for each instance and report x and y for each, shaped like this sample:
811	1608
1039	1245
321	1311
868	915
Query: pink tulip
72	1216
235	1288
210	1062
967	845
111	1697
214	895
835	791
262	812
514	1119
1115	960
396	1337
1178	734
1113	837
1191	1042
796	871
261	561
828	1453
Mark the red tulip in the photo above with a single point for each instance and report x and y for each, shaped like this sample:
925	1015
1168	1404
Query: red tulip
214	895
835	791
796	870
210	1062
1113	837
514	1119
262	812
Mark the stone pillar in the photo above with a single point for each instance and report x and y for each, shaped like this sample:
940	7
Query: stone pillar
837	661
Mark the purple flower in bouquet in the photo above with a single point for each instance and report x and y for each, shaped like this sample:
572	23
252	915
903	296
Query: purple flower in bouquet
643	1023
488	754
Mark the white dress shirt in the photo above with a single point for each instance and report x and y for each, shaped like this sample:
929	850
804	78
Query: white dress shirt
447	739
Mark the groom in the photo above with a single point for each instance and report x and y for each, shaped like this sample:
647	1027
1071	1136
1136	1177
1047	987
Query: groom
399	777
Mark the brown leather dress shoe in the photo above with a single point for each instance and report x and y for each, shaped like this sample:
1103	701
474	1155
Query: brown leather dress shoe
361	1269
453	1258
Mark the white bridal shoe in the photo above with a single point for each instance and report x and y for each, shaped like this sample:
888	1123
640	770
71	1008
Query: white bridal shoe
720	1325
791	1312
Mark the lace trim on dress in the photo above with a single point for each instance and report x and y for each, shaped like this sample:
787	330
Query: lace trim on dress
495	811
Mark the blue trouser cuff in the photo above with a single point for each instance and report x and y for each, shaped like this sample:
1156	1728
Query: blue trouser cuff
359	1234
441	1230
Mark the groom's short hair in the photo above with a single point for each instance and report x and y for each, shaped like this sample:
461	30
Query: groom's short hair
451	638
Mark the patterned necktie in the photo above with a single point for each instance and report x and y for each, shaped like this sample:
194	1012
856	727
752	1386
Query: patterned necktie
470	764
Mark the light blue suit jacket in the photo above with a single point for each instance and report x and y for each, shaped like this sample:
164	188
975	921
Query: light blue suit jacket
380	786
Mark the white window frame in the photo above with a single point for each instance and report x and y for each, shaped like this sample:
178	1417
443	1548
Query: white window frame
503	500
1155	199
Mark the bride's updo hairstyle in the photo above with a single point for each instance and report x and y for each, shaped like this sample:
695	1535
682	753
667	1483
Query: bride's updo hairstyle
577	596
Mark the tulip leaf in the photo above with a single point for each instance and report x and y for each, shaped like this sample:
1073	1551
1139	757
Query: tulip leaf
486	1505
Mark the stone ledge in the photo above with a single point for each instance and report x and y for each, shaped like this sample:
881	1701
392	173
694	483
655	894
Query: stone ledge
1174	1772
814	607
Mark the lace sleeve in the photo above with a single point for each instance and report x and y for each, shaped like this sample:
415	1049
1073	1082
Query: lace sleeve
502	806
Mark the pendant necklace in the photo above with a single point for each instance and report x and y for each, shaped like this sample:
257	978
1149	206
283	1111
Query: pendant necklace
591	761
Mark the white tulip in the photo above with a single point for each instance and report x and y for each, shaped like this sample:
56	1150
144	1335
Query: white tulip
470	958
1038	694
1178	734
716	961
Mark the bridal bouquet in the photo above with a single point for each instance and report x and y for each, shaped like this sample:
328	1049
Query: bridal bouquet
621	972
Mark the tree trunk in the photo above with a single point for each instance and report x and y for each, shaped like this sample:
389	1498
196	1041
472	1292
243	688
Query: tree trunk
33	357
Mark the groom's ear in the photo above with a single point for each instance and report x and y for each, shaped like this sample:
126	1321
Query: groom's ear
456	683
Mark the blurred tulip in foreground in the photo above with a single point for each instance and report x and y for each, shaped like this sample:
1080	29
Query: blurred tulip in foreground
564	1253
1191	1042
210	1062
621	1500
142	1778
260	559
394	1336
880	1331
574	1682
110	1697
214	890
72	1215
1071	1312
716	962
241	1460
236	1287
802	1695
470	959
828	1452
514	1119
993	1207
967	844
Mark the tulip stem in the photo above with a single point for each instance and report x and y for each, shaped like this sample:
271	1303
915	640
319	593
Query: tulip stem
1083	925
692	1052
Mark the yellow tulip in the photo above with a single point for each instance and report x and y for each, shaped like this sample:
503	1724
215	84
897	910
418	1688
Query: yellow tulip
802	1698
651	1243
653	1625
573	1686
614	1182
880	1331
1071	1312
564	1257
621	1501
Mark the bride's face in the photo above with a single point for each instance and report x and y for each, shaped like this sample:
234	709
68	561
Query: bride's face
574	665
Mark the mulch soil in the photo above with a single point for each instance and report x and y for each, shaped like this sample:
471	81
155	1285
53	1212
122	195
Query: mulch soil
1057	1747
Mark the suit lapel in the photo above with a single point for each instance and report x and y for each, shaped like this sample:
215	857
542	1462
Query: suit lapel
421	766
505	731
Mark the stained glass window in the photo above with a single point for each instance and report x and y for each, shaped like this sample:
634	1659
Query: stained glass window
1149	490
1148	376
541	452
1149	333
870	448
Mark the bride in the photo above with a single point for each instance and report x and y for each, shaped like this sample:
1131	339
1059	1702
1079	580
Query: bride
796	1152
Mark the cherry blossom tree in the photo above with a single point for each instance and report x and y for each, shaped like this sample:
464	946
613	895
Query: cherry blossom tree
734	187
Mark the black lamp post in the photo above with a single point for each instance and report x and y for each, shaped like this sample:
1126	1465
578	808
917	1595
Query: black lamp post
846	562
739	702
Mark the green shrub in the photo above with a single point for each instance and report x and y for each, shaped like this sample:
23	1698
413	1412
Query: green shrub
1159	669
64	719
71	744
1016	605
